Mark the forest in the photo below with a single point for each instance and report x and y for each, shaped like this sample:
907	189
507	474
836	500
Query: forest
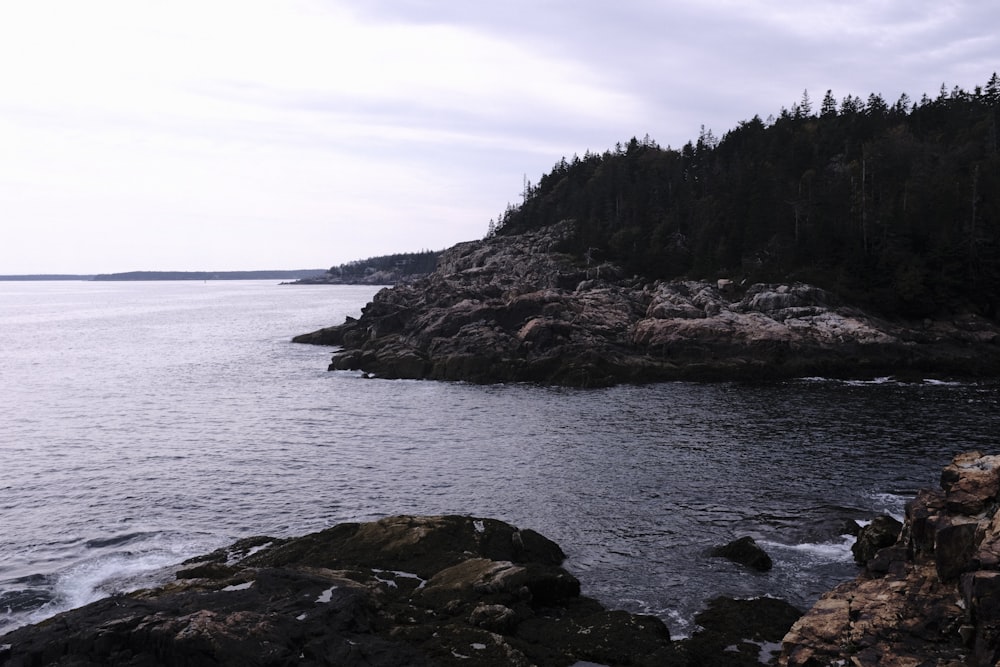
894	206
408	263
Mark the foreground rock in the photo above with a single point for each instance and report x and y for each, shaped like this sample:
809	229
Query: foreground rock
400	591
738	633
512	308
932	599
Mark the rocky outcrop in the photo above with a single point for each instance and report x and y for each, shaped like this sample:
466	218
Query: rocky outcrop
931	599
400	591
513	308
745	551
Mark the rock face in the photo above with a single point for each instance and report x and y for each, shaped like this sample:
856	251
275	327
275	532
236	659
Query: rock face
512	308
930	599
400	591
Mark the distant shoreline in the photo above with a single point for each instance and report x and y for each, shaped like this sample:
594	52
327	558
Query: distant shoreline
295	274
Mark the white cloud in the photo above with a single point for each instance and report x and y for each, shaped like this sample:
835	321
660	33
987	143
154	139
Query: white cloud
308	133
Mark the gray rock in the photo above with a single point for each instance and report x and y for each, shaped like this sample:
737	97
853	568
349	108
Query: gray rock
745	551
512	308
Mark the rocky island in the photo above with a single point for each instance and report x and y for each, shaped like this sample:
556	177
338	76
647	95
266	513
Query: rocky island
515	308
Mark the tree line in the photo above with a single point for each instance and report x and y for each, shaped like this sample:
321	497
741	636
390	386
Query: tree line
892	205
407	263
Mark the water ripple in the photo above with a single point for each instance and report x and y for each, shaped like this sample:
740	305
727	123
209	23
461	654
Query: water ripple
138	435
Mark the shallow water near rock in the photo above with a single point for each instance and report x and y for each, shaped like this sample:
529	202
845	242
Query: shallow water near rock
145	423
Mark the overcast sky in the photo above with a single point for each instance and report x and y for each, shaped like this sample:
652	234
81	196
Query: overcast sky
280	134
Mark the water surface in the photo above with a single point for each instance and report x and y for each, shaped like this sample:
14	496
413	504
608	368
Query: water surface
144	423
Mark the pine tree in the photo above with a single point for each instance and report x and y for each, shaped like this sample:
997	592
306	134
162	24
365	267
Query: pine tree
805	105
829	106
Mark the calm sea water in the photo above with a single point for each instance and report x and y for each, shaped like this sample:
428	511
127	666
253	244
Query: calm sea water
144	423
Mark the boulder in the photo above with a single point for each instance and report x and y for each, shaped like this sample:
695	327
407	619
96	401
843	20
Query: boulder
745	551
882	532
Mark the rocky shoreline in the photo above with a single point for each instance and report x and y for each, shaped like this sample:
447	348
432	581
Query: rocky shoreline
929	599
513	308
455	590
446	590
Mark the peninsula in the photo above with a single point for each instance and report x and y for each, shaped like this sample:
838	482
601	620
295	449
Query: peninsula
860	240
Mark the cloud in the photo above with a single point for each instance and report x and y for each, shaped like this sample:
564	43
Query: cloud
329	130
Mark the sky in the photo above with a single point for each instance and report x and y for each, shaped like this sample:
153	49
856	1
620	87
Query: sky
283	134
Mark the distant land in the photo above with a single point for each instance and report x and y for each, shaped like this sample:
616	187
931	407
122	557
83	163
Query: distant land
48	276
297	274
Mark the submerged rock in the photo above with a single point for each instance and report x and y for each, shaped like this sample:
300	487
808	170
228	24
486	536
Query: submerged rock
745	551
513	308
929	599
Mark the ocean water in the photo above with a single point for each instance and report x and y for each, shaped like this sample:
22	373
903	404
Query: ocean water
145	423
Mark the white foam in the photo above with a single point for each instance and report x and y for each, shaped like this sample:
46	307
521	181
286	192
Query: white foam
888	379
832	552
892	504
96	579
479	526
100	577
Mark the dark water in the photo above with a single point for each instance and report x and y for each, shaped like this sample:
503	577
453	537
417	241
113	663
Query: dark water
143	423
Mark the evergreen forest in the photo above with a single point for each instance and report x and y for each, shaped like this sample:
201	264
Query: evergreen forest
893	205
407	263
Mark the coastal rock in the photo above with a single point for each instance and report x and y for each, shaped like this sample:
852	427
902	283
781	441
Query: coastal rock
740	633
880	533
400	591
932	598
514	308
745	551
